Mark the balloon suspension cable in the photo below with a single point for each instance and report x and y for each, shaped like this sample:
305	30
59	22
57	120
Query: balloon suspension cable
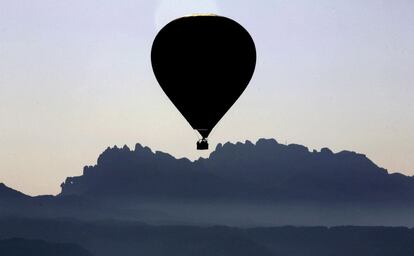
202	144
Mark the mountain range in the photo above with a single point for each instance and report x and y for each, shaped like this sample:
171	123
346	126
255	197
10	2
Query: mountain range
237	201
242	184
265	171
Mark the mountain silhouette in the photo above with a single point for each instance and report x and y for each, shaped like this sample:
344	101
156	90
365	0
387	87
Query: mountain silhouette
265	171
242	184
7	193
140	202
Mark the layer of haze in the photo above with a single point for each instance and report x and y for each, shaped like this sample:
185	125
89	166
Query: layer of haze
75	77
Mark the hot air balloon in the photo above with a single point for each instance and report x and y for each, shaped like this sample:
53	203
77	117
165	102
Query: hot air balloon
203	63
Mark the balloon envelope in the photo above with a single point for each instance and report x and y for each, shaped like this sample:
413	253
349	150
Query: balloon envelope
203	64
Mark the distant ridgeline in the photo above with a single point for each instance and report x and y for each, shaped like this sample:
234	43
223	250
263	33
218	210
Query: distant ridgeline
265	171
23	247
111	238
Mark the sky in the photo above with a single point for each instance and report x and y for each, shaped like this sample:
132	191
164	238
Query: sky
76	77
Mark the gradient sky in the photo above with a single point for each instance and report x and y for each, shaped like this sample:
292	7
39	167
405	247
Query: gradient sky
76	77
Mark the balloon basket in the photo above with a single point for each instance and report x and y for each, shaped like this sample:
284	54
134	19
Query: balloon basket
202	144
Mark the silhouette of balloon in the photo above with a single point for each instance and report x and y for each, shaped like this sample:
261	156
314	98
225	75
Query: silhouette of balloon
203	63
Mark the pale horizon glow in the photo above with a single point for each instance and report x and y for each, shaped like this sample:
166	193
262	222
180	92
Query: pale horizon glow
76	77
